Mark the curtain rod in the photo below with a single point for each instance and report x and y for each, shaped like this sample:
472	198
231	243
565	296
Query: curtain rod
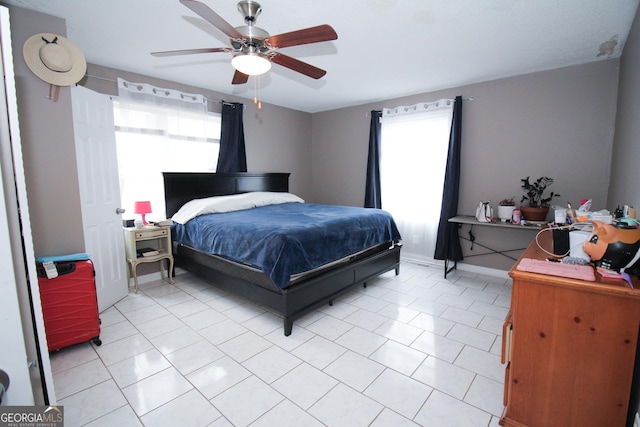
469	98
220	101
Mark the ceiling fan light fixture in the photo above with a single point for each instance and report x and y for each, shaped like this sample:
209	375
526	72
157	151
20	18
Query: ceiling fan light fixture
253	48
251	64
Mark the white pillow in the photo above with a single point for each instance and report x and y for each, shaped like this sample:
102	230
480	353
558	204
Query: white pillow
234	202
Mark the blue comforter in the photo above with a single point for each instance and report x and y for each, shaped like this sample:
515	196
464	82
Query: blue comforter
289	238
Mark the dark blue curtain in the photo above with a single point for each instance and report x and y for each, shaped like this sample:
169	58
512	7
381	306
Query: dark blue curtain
232	156
372	198
448	243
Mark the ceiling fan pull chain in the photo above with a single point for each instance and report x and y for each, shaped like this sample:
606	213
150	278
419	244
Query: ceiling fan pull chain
259	94
256	91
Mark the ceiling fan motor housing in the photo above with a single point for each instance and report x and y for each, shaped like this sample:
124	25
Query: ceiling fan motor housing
254	36
250	10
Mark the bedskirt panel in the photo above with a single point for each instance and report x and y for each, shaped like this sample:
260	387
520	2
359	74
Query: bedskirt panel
378	265
253	285
306	294
329	286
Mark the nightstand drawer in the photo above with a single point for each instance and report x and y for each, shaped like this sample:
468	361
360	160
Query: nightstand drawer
148	234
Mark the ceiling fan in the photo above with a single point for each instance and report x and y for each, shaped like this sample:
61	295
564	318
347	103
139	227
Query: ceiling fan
253	48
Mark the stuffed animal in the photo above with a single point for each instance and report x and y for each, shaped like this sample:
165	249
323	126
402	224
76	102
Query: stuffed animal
614	248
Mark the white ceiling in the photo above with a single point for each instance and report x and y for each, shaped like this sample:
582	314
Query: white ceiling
385	48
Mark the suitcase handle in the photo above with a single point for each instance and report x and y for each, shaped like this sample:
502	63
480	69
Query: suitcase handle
62	267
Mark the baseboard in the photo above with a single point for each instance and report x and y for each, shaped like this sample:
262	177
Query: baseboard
152	277
503	274
494	272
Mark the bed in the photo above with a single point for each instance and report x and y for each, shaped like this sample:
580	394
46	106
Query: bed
291	295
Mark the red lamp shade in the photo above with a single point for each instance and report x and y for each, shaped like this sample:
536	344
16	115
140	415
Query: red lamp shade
142	208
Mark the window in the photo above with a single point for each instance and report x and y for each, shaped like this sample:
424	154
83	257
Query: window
413	159
156	140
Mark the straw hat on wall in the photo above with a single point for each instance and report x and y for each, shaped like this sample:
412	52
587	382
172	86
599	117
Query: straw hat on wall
54	59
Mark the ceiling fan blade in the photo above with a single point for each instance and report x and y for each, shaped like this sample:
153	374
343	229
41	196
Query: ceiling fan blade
213	18
190	51
239	78
321	33
297	65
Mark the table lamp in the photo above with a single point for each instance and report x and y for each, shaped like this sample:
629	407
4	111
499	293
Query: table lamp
142	208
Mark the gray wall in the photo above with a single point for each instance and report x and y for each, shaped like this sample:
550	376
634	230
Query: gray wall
558	123
625	173
48	144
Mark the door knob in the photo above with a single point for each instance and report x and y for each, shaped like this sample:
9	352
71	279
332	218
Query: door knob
120	211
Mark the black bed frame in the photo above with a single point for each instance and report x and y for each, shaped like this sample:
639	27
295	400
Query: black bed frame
303	295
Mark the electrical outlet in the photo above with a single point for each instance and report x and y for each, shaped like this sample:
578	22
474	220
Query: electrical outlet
636	421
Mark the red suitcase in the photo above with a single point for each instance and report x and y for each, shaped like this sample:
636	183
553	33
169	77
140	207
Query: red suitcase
70	304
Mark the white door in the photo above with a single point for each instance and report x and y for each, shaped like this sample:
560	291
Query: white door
13	356
100	192
22	334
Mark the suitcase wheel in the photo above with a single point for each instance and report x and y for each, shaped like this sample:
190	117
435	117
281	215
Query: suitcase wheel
97	341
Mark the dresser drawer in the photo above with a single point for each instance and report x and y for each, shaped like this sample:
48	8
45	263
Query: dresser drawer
507	331
150	234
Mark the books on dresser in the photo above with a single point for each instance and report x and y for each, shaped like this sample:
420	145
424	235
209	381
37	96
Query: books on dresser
145	252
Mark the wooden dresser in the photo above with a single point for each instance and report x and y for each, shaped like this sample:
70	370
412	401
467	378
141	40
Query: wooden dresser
569	348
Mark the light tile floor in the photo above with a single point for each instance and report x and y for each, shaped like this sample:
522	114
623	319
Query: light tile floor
407	350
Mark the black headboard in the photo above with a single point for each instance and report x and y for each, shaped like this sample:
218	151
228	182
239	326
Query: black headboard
180	187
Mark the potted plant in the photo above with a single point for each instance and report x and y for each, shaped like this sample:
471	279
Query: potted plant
534	205
505	209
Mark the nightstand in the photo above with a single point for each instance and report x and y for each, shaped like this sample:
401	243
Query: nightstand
156	238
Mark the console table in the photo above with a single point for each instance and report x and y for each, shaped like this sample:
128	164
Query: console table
471	221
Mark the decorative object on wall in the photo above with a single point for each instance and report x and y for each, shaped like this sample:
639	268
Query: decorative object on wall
142	208
253	48
534	206
54	59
